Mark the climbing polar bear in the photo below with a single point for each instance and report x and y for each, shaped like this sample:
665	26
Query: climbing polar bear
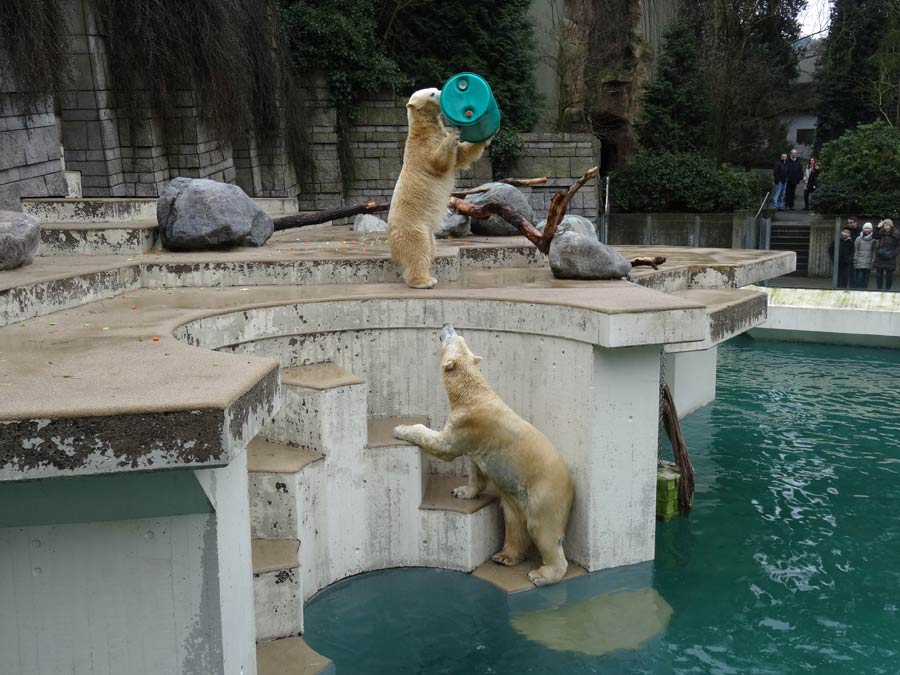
431	157
529	474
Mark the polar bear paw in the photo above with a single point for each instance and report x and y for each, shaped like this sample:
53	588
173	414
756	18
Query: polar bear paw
504	558
407	433
464	492
431	282
537	578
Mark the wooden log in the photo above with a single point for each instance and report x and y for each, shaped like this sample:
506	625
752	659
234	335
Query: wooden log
516	220
516	182
560	203
317	217
648	261
679	450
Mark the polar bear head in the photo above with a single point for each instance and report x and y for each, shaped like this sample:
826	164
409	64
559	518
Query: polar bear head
424	104
455	353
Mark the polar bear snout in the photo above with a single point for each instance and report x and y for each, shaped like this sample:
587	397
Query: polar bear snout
447	332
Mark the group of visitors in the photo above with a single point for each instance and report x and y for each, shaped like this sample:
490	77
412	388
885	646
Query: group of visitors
864	250
788	173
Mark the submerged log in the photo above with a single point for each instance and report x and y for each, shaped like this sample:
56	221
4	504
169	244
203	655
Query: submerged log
679	450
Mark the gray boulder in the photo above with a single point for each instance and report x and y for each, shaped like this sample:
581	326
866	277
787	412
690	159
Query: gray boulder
572	223
366	222
195	214
20	236
455	226
499	193
575	256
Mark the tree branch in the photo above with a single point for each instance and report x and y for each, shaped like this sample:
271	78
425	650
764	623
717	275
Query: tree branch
560	203
316	217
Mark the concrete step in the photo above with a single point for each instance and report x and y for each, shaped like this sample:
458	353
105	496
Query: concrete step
437	497
132	238
291	656
323	409
277	592
277	487
122	209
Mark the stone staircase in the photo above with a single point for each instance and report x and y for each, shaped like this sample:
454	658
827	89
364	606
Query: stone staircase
319	450
790	232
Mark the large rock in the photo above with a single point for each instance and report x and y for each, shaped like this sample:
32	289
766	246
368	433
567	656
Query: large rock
575	256
366	222
499	193
455	226
572	223
20	236
195	214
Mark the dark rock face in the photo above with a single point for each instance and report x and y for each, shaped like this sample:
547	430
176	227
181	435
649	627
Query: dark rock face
455	226
575	256
20	236
500	193
196	214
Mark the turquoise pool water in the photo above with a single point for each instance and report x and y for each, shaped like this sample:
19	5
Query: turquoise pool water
789	563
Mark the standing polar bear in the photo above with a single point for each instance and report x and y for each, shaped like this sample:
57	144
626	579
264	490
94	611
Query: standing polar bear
529	474
431	157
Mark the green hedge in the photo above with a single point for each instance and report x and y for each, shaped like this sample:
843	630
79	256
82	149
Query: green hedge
861	172
666	182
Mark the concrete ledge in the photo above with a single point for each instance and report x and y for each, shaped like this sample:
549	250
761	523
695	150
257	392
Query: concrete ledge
319	376
729	312
437	495
380	430
266	457
96	239
863	318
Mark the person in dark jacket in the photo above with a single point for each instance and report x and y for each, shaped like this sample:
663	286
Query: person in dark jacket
853	226
864	256
845	258
886	254
779	175
810	178
794	174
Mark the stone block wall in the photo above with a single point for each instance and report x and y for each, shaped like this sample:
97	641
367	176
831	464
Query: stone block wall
324	188
379	134
563	158
30	158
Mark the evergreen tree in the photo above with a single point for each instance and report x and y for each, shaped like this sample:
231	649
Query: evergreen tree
675	114
431	41
846	71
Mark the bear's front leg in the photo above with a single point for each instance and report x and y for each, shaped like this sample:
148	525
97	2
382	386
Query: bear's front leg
432	442
469	153
477	484
445	156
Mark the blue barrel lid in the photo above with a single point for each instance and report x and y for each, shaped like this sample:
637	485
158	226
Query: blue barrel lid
465	99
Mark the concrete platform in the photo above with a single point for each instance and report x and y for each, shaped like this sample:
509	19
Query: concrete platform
515	579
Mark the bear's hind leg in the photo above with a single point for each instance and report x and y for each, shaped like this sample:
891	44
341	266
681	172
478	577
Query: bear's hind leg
515	539
549	545
417	271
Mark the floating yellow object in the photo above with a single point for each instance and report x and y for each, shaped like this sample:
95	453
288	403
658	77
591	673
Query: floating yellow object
598	625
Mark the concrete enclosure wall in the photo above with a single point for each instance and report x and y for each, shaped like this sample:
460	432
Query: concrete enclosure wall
707	230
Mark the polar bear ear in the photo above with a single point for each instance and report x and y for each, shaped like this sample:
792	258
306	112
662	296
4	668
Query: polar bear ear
450	365
476	358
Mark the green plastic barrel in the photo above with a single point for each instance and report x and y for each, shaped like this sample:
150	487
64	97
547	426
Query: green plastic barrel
468	103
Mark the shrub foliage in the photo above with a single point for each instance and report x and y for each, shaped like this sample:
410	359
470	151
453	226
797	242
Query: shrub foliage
683	182
861	172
